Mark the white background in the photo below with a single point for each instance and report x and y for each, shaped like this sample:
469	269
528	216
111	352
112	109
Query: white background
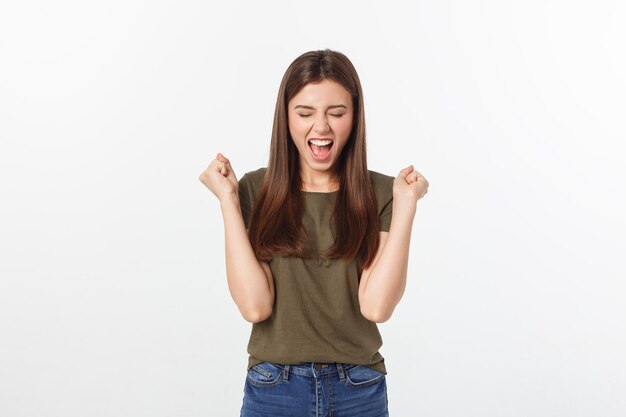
113	293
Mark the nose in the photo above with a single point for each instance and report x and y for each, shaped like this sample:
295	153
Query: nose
321	124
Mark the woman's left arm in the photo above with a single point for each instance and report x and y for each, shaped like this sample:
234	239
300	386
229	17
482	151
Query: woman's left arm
382	284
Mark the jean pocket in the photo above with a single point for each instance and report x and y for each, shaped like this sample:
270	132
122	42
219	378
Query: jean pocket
265	374
361	375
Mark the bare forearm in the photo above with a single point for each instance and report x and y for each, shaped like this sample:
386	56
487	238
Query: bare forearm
247	281
387	280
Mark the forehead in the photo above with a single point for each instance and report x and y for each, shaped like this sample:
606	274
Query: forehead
321	93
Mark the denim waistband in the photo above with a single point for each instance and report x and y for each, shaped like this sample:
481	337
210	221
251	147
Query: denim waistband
316	369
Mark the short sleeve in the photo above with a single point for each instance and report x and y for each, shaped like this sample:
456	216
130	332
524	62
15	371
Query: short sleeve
383	187
245	198
385	214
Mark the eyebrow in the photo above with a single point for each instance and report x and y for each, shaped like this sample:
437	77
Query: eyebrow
313	108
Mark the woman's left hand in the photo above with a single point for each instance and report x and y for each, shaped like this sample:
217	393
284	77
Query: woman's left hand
409	186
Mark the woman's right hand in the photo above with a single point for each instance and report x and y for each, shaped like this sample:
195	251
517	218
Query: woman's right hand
220	178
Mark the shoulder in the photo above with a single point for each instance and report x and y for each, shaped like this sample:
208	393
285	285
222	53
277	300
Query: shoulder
256	173
253	179
383	188
382	183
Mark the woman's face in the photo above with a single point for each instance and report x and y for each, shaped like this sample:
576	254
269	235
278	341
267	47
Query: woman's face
321	112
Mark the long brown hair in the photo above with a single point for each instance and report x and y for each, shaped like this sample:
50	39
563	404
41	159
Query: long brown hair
276	219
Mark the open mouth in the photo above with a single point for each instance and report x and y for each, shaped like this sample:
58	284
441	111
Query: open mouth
320	149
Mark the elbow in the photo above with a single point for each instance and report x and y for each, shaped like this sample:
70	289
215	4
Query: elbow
257	315
376	316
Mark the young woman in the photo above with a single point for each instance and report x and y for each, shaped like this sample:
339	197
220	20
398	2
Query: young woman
314	258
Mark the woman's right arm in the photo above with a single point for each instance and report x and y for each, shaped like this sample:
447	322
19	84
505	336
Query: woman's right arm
250	281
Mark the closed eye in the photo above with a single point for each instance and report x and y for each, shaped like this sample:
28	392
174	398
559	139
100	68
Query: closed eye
335	115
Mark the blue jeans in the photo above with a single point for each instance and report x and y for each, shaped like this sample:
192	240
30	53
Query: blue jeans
314	390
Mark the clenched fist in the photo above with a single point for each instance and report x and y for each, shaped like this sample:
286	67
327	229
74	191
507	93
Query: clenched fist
409	186
220	178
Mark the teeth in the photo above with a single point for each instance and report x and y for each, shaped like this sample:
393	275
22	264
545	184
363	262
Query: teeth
320	142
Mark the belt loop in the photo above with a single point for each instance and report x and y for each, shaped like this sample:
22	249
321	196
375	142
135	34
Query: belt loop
340	369
285	372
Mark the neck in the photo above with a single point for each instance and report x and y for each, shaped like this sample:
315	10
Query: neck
323	184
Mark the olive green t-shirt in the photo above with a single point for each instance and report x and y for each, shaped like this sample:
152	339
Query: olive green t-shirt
316	315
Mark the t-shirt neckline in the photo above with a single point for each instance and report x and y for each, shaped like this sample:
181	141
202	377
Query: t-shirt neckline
320	192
